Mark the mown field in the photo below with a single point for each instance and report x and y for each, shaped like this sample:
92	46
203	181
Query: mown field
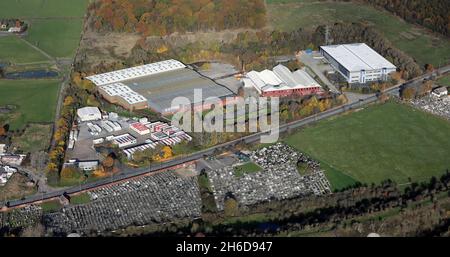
54	26
388	141
42	8
58	38
416	42
444	81
34	101
16	51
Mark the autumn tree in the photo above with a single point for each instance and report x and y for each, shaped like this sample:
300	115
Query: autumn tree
408	93
425	88
231	207
429	67
108	163
160	18
68	100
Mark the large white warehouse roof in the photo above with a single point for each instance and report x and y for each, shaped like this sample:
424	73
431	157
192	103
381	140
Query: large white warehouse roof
135	72
356	57
125	92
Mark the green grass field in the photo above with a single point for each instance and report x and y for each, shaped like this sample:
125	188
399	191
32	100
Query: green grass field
35	101
51	206
58	38
246	168
54	26
80	199
22	52
389	141
292	14
444	81
42	8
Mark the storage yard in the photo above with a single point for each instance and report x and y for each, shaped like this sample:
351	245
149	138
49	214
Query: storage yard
130	135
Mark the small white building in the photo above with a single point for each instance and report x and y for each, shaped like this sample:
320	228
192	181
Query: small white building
358	63
89	114
440	92
6	173
2	149
15	30
88	165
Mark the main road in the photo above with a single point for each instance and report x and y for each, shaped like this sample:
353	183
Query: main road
210	151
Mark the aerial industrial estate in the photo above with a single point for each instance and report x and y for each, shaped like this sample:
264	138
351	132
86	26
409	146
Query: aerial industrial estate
127	132
155	85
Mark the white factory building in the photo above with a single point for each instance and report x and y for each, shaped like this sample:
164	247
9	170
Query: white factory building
110	84
282	82
89	114
123	95
135	72
358	63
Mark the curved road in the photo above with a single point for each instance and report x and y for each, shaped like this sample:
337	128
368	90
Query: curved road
198	155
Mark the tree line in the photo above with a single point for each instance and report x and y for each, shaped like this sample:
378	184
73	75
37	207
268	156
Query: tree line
163	17
433	14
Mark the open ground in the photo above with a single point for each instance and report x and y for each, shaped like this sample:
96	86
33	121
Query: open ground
386	141
54	26
34	101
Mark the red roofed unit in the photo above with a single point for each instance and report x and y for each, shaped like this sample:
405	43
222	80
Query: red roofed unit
140	128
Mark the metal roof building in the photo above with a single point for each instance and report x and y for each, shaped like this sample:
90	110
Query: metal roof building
155	85
89	114
136	72
281	82
358	63
123	95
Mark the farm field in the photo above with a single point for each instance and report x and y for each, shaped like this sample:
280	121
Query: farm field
16	51
42	8
58	38
54	26
292	14
387	141
34	101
